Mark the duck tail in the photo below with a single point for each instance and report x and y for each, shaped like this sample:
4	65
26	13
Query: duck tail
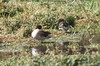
49	36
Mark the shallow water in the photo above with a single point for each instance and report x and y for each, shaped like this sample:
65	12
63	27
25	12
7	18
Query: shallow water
61	43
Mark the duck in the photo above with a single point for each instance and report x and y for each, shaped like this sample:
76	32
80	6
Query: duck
39	34
63	25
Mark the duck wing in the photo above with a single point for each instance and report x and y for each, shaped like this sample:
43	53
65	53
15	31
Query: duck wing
43	33
65	24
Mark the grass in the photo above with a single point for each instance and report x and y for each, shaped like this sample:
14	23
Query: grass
53	60
18	18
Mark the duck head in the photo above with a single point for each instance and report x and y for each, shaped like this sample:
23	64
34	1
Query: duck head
38	27
61	20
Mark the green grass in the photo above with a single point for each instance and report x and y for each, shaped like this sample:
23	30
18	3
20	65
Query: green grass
18	18
49	60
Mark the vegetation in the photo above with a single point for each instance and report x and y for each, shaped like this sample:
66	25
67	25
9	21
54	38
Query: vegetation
19	17
53	60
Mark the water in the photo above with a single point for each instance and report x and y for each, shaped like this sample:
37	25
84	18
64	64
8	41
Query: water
62	42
